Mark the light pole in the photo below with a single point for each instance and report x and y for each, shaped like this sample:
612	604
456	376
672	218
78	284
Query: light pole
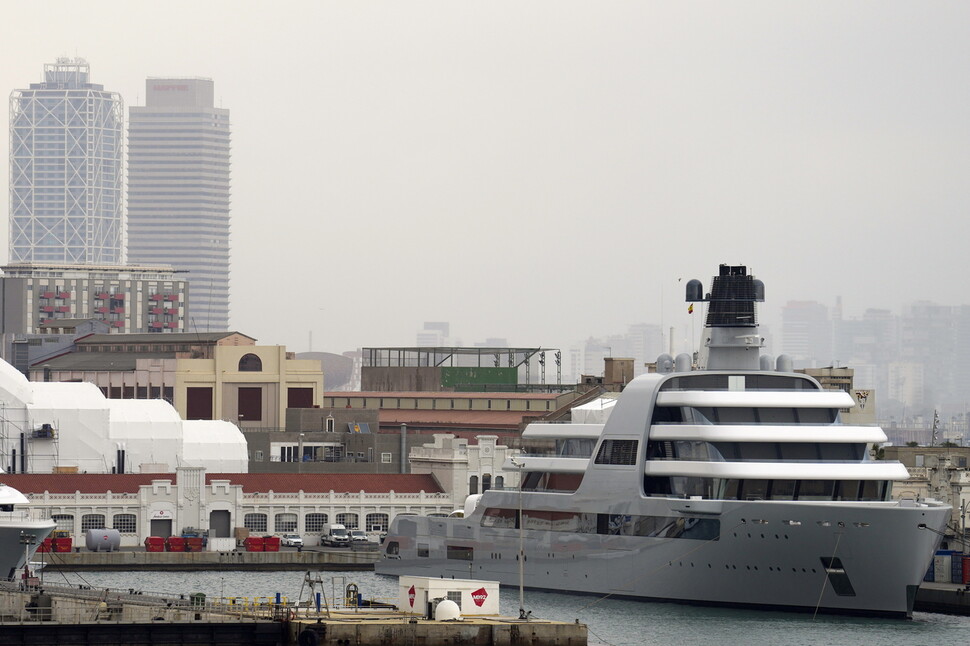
27	540
519	465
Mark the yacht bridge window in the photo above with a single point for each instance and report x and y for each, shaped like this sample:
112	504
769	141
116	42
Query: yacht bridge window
754	489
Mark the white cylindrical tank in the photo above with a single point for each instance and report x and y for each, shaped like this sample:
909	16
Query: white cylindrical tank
103	540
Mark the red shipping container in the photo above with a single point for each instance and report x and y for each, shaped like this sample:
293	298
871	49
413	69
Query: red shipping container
193	544
175	544
65	544
271	543
254	544
47	545
154	544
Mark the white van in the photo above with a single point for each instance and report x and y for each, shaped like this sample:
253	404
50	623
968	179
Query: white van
335	535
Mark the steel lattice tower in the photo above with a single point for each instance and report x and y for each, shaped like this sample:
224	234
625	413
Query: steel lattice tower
67	170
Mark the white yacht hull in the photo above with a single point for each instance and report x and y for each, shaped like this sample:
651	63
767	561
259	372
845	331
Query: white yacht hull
14	552
768	554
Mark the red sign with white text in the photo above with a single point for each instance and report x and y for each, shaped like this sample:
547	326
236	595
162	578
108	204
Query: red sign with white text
411	596
479	596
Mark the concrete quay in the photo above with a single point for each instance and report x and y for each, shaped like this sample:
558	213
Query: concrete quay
58	614
944	598
140	560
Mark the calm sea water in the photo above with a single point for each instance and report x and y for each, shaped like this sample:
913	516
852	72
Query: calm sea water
611	622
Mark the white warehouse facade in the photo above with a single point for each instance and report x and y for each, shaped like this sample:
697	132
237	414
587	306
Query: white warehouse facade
163	504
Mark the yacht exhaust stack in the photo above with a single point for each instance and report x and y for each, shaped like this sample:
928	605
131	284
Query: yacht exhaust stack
731	336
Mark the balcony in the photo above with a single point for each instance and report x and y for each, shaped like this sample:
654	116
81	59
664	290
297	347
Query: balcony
172	297
63	295
156	297
47	294
155	310
46	308
64	308
102	296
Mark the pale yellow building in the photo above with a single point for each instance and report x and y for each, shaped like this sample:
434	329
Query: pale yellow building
250	385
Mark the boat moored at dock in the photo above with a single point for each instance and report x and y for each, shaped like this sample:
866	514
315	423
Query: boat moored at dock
729	480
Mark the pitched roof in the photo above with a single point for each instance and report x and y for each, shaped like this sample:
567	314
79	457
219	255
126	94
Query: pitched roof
38	483
102	361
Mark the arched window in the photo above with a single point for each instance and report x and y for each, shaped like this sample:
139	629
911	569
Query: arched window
255	522
486	482
473	485
64	521
92	521
315	522
124	523
377	522
285	523
347	520
250	363
500	482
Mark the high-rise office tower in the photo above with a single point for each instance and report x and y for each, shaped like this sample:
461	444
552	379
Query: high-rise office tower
66	169
178	192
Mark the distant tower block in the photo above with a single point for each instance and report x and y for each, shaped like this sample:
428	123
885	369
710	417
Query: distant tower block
66	170
179	190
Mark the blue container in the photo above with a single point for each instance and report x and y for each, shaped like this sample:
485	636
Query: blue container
956	568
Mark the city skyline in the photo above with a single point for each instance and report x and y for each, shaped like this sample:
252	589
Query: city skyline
548	172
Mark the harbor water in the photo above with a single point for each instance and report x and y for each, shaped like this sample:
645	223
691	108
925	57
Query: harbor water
612	622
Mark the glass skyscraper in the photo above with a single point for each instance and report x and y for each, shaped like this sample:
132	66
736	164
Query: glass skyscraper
66	170
178	192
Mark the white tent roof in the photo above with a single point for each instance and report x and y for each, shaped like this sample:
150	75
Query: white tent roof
14	388
218	446
89	429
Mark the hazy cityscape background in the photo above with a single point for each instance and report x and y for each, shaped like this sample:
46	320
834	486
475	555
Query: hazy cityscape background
551	174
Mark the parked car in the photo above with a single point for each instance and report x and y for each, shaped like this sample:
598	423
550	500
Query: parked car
292	540
358	536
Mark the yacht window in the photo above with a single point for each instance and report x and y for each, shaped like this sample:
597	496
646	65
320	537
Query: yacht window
842	452
817	415
777	415
617	452
755	489
393	548
799	451
423	551
461	553
848	490
874	490
495	517
816	489
730	415
783	490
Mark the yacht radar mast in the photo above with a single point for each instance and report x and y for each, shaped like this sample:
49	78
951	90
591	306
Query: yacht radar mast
731	339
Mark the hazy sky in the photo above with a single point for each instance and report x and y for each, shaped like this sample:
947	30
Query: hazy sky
546	171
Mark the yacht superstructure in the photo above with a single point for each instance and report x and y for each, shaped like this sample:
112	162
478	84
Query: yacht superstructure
734	484
20	532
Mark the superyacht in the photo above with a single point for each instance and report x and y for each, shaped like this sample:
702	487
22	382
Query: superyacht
20	532
734	482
